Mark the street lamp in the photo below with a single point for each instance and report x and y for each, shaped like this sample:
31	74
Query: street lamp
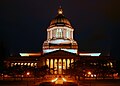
28	73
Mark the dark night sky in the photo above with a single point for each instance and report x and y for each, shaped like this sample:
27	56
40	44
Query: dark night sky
24	24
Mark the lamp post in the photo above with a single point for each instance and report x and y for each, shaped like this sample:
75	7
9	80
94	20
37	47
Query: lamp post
28	73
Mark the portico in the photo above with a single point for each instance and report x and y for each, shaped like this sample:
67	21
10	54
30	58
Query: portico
59	65
59	61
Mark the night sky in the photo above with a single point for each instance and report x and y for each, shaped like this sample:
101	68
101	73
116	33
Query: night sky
24	24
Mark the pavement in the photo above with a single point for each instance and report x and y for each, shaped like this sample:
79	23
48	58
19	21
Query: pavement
32	82
109	82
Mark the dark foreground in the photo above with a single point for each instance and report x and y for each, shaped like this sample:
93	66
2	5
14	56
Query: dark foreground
100	82
81	83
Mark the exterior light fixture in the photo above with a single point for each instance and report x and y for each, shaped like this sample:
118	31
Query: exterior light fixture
54	80
64	79
28	73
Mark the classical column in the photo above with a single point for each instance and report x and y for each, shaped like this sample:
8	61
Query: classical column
49	65
30	64
47	34
57	66
62	66
26	63
53	66
63	33
72	34
70	63
45	62
51	34
74	59
68	33
66	64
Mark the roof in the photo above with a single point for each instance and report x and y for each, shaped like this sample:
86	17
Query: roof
60	54
60	20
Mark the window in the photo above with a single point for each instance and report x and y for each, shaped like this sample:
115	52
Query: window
54	33
67	34
59	33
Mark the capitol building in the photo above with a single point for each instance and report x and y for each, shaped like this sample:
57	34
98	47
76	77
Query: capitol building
60	49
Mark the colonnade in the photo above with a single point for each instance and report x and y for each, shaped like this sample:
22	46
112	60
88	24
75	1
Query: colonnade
58	66
60	33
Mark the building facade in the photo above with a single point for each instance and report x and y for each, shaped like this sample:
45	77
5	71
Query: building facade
60	50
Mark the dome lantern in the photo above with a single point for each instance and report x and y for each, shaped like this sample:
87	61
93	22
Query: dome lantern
60	11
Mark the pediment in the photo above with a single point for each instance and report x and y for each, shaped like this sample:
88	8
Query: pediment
60	54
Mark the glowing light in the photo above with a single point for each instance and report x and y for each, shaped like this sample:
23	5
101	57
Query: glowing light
67	33
68	50
64	79
60	66
94	75
51	65
89	54
60	41
49	50
28	64
68	63
111	63
28	73
89	73
18	63
30	54
60	12
31	64
21	63
24	54
15	63
54	80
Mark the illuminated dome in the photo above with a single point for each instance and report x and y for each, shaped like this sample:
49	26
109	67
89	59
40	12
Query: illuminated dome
60	20
60	35
60	41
